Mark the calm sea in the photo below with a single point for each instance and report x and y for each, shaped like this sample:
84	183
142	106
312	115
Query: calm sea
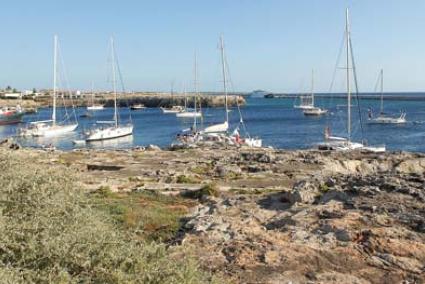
274	120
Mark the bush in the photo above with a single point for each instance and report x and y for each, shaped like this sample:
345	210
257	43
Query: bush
207	190
51	234
186	179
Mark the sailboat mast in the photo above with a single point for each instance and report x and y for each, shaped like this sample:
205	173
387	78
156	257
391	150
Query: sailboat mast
172	92
114	81
195	70
55	57
185	97
223	63
92	93
312	87
382	91
347	34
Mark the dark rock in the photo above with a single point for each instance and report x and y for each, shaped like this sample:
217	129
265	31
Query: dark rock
96	167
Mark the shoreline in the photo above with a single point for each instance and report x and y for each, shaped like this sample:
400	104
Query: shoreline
124	100
272	215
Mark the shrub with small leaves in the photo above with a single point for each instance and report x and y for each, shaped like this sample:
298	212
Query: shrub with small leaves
50	233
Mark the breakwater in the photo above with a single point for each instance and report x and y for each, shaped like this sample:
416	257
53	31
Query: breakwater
150	100
363	96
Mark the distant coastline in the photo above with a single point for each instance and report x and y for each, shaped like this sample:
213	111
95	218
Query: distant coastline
408	96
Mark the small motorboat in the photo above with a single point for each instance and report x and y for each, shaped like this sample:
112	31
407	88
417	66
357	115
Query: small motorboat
137	107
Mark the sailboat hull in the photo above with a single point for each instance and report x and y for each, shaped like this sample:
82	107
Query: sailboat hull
387	120
314	111
95	107
46	130
217	128
189	114
174	109
109	133
340	144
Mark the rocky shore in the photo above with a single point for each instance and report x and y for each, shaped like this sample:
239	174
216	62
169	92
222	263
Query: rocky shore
273	216
147	99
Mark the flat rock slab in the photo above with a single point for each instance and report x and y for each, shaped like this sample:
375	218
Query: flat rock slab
96	167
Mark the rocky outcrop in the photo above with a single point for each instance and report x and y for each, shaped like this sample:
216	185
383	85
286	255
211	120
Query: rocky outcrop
272	216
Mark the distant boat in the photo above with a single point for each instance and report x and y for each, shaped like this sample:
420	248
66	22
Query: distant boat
219	132
51	127
224	126
112	129
93	105
191	112
137	107
11	115
305	103
172	109
382	118
345	143
313	110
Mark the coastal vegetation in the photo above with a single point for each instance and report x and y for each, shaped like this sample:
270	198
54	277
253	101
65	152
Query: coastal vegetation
53	231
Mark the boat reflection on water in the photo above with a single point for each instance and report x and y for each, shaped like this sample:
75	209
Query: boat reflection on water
116	143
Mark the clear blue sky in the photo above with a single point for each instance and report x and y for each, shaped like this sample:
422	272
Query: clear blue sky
271	44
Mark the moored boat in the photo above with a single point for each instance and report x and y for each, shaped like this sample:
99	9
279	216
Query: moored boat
113	129
11	115
137	107
345	143
383	118
52	127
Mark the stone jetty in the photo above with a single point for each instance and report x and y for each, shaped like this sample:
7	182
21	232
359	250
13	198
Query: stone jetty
148	99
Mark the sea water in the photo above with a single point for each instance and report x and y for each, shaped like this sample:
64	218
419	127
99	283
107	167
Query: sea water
274	120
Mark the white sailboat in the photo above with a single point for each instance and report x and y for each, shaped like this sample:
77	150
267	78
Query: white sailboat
305	103
192	113
221	127
51	127
382	118
313	111
345	143
218	132
93	105
172	109
111	129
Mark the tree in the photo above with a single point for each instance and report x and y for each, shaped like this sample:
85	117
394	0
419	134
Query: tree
34	91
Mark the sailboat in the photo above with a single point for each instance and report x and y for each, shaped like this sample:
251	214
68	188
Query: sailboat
218	132
93	105
221	127
51	127
313	111
192	113
172	109
345	143
112	129
305	103
382	118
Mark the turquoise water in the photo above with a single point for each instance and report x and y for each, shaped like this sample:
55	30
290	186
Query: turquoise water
274	120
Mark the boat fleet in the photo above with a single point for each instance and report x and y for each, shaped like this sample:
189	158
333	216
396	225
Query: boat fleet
219	133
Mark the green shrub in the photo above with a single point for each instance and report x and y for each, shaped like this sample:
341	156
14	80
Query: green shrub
210	189
186	179
51	233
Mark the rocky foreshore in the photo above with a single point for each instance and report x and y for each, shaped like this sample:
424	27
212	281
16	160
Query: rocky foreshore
274	216
125	100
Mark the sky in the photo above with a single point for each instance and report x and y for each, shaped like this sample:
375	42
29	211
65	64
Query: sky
270	44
